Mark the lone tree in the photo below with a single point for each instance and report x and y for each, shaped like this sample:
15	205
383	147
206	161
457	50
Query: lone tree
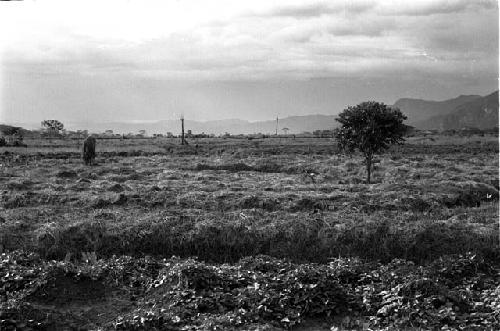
53	127
370	127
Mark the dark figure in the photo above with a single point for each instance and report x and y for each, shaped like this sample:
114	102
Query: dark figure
89	150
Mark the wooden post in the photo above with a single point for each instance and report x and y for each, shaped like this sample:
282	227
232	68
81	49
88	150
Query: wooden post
183	141
182	132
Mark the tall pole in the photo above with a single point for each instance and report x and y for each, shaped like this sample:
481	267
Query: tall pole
182	136
276	125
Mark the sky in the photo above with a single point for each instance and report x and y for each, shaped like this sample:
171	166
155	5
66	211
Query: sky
147	60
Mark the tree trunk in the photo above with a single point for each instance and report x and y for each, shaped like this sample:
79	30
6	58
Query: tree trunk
368	168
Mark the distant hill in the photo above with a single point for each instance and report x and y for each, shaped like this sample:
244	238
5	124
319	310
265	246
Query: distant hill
9	129
418	110
481	113
463	111
295	124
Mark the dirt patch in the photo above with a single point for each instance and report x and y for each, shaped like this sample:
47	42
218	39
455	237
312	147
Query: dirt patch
267	167
71	301
251	202
135	176
64	289
100	203
118	179
472	197
235	167
119	199
55	241
30	198
66	174
116	188
307	203
89	176
19	185
416	204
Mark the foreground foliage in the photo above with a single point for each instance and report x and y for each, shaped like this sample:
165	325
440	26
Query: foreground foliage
257	293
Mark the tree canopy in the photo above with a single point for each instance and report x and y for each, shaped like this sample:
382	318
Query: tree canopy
370	127
52	125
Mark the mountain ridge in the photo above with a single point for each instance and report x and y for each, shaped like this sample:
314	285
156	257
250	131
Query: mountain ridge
422	114
418	110
481	113
295	124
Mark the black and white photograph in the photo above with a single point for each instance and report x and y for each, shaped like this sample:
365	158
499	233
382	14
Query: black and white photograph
263	165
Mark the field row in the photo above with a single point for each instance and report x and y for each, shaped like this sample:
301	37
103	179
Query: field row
305	207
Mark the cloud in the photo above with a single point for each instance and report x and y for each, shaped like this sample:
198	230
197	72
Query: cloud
311	9
301	11
230	58
468	34
194	40
374	27
431	7
349	8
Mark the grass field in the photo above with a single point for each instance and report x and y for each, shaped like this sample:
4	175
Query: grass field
270	222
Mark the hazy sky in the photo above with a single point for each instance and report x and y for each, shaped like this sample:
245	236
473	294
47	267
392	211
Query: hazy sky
145	60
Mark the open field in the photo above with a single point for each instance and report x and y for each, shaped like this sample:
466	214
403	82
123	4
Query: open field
288	204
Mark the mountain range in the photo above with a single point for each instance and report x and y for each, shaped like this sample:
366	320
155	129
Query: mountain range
463	111
295	124
481	113
418	110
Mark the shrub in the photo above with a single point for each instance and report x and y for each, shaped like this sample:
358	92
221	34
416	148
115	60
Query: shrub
55	241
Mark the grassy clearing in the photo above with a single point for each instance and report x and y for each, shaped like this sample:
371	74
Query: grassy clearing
304	207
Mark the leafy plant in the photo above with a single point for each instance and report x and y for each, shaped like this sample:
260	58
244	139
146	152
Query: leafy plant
455	292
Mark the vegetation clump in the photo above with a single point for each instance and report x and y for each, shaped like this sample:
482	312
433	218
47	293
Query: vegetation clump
458	292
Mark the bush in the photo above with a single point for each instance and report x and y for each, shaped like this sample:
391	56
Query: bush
55	241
